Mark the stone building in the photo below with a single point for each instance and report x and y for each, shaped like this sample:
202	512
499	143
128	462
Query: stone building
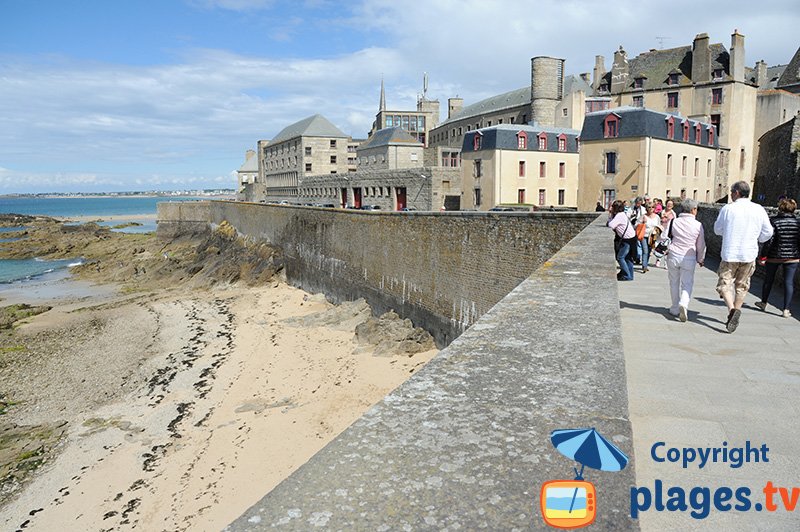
633	151
311	146
778	172
519	164
389	149
417	123
790	77
247	176
552	99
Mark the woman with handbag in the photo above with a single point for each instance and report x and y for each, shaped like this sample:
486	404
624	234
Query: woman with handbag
782	250
645	226
624	239
687	249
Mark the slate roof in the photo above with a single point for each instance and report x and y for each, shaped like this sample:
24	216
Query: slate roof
791	75
250	164
390	136
492	104
313	126
656	65
642	122
504	137
773	74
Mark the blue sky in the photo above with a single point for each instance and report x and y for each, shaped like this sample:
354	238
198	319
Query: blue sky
164	94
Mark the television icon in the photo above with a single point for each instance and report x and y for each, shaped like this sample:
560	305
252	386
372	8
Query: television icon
568	503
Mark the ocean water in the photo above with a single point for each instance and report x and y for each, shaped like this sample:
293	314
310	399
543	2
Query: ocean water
31	270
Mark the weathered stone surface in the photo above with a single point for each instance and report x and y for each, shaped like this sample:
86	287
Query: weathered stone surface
392	335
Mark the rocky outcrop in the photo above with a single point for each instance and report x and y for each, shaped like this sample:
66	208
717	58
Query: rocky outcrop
390	335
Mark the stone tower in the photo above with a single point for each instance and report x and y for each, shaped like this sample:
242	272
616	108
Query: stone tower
547	89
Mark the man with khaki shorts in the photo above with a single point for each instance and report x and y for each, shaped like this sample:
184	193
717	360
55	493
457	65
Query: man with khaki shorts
742	226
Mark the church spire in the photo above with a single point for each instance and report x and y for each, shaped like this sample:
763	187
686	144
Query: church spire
383	97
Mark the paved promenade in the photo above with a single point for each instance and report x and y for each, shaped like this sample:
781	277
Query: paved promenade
694	385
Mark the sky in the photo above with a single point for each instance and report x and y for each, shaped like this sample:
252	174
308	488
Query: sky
106	95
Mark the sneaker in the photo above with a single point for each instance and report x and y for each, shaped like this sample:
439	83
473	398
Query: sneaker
658	263
733	320
762	305
787	313
682	313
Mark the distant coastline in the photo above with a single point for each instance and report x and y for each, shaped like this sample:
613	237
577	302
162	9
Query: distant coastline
149	194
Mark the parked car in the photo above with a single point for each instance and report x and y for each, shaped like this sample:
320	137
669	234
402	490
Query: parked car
408	209
370	207
501	209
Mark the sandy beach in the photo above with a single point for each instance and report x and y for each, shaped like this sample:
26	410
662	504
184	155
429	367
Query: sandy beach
178	407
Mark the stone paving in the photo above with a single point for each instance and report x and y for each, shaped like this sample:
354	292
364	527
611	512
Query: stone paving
695	385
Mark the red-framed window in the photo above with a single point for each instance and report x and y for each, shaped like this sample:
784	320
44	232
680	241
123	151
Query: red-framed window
685	131
562	142
542	141
477	141
542	169
698	133
611	126
672	100
521	195
671	128
716	96
710	135
562	169
522	168
522	140
561	193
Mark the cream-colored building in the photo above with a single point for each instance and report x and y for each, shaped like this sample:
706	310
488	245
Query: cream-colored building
388	149
632	151
309	147
510	164
247	176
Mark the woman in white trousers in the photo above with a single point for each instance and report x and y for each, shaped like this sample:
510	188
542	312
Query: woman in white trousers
687	249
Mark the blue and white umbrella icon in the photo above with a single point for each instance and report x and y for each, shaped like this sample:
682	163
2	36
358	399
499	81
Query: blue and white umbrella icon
589	448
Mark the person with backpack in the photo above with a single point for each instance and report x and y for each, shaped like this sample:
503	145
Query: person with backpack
783	250
624	239
687	249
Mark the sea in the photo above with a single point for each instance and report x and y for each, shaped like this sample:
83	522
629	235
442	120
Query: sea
15	275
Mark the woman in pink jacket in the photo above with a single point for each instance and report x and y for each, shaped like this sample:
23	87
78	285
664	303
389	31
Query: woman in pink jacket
687	249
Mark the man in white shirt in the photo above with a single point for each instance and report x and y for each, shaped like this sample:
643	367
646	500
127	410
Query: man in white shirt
742	226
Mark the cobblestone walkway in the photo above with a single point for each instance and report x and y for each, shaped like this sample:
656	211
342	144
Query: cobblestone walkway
695	385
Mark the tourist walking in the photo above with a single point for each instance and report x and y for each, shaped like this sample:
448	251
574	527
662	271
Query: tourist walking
782	251
686	250
667	215
624	239
742	225
651	220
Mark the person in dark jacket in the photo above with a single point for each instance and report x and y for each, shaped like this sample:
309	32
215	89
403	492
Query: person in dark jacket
782	250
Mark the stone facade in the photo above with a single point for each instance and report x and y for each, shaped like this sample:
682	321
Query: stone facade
247	176
390	149
779	164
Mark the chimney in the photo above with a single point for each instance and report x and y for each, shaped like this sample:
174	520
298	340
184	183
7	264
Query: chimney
454	106
737	56
701	59
619	71
761	75
598	72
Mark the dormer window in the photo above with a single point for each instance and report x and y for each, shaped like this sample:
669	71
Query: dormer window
717	73
685	131
671	128
673	78
710	135
477	141
603	87
522	140
611	123
542	141
698	133
562	142
638	83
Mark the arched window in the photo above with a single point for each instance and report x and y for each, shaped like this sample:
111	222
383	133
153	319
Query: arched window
685	131
671	128
562	142
522	140
542	141
710	135
611	123
698	133
477	140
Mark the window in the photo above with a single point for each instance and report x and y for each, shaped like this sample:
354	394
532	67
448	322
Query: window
308	150
611	162
696	167
511	120
500	121
673	78
638	83
685	131
476	141
522	168
711	136
672	100
459	132
611	126
477	169
454	160
708	168
489	123
669	164
596	105
522	141
333	159
413	123
542	141
670	128
389	121
638	101
477	197
333	144
684	161
521	195
524	119
698	133
716	96
577	144
308	167
708	196
404	122
609	195
562	169
562	142
741	159
717	73
668	194
694	194
542	197
561	193
564	112
542	169
716	121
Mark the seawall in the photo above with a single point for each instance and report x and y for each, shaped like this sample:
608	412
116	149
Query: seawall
441	270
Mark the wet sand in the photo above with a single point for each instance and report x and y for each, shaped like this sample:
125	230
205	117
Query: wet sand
185	408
